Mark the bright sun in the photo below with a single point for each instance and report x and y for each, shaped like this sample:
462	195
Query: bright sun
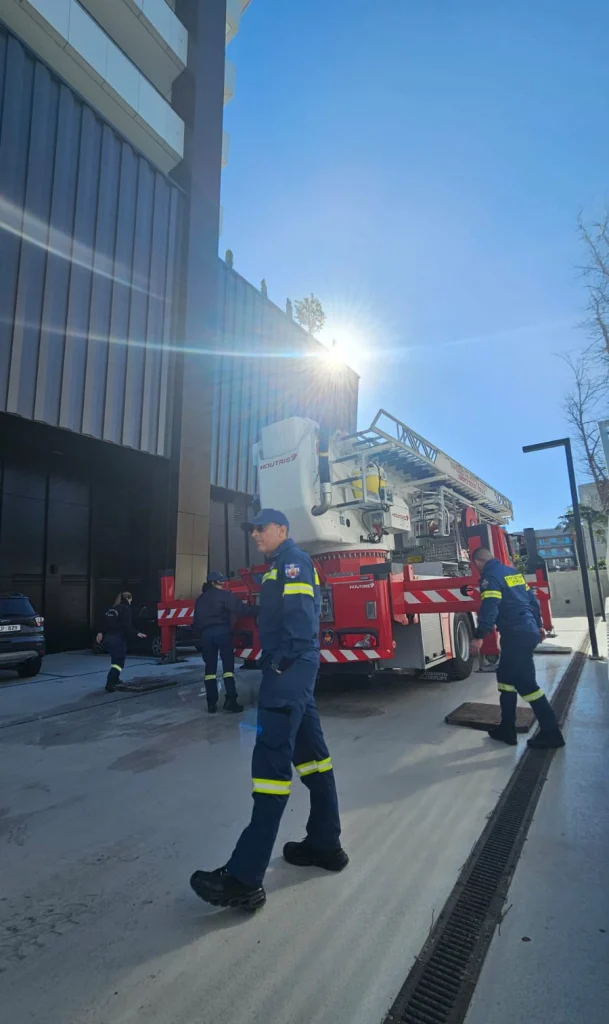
344	346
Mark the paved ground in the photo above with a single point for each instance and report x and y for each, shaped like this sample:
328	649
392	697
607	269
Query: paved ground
550	961
109	802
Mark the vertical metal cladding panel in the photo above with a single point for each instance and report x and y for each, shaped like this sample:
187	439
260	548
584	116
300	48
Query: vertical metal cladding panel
81	275
17	74
88	247
269	369
114	406
57	279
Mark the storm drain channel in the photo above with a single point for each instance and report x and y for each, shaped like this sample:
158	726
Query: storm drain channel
441	983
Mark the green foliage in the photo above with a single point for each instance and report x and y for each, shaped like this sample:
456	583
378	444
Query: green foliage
310	313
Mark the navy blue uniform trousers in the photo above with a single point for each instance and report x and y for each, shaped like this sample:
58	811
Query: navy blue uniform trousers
214	641
516	675
289	733
116	647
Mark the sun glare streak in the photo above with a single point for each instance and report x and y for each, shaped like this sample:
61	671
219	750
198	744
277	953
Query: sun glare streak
24	225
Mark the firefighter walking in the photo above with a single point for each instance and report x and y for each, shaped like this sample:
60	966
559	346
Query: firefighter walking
215	611
115	630
509	603
289	731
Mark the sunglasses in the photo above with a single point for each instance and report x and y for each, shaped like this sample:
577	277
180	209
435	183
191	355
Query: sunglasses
259	529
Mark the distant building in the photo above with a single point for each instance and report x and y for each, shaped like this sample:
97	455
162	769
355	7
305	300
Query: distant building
557	548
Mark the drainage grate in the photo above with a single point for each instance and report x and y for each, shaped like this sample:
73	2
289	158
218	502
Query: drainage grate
440	985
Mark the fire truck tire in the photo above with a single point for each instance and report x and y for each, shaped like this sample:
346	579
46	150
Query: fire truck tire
460	667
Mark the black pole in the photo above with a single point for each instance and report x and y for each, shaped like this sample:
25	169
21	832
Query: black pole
581	550
595	561
565	442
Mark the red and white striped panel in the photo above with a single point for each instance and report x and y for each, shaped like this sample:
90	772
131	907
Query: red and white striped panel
332	657
248	653
539	588
353	654
441	595
179	615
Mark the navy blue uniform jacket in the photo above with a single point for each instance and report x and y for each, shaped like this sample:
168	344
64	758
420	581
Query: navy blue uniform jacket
507	602
290	602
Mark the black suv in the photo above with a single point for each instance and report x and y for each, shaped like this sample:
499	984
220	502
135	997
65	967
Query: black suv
22	644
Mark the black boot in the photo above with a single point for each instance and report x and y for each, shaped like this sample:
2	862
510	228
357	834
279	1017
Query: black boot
222	890
114	678
232	704
547	739
304	856
212	706
505	734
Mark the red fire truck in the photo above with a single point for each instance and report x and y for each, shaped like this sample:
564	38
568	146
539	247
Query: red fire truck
390	522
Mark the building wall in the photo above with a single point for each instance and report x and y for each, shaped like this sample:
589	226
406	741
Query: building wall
79	521
266	369
567	593
88	254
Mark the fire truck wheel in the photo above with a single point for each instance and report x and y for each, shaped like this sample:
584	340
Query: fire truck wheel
460	667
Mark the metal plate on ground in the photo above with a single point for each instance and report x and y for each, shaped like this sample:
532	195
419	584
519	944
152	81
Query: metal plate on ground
485	716
145	684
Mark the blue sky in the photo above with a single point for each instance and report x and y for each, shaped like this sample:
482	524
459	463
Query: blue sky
420	167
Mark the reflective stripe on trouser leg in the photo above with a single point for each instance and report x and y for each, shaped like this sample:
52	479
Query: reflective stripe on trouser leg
281	707
271	775
119	668
517	668
227	654
314	766
211	687
229	685
544	712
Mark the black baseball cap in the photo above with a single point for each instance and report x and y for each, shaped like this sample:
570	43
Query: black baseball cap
267	516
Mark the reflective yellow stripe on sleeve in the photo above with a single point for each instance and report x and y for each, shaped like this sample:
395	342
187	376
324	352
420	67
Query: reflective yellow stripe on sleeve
490	593
270	575
530	697
316	577
298	588
506	688
272	787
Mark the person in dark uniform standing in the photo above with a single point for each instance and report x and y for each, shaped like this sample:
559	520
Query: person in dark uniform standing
116	627
509	603
289	731
214	615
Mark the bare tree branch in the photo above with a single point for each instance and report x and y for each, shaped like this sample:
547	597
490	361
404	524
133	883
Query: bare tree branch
583	406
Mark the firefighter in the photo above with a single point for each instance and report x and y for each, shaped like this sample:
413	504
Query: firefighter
115	629
289	731
215	611
508	602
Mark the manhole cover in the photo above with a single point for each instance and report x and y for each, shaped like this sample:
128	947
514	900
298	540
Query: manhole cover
485	716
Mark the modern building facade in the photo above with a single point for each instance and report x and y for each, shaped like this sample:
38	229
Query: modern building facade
135	367
557	548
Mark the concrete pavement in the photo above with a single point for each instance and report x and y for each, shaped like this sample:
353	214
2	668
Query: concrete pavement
107	809
549	961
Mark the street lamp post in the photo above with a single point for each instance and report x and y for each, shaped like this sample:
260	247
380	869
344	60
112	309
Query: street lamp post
564	442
